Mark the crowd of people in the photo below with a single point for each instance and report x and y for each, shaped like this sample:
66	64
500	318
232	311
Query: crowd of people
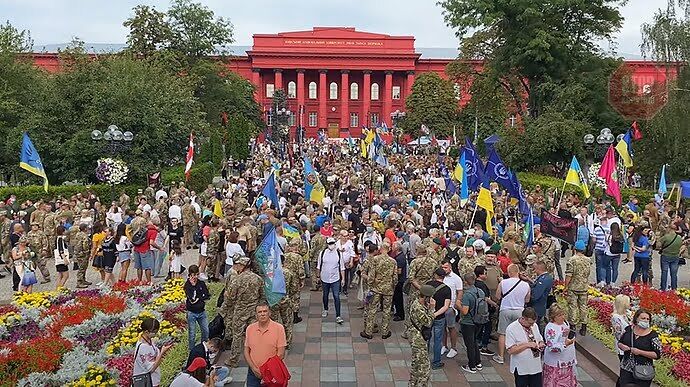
388	235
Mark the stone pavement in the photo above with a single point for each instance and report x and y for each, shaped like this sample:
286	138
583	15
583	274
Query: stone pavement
327	354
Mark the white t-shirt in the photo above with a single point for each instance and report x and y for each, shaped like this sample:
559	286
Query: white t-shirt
524	362
185	380
348	250
332	265
232	250
516	299
175	211
146	356
454	282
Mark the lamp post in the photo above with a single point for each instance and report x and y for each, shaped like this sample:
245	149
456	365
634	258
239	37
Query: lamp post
114	140
599	144
396	117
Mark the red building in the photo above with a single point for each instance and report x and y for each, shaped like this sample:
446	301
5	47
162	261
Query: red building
340	78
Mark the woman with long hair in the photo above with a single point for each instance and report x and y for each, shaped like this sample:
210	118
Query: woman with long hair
124	251
147	355
614	247
61	254
643	249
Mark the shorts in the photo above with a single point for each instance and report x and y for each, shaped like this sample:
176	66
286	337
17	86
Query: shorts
506	317
61	268
98	262
108	264
203	248
143	261
123	256
450	318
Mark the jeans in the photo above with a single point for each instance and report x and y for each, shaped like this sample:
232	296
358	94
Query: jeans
437	329
252	380
641	268
484	336
157	262
469	336
668	262
335	289
599	259
221	374
192	319
398	300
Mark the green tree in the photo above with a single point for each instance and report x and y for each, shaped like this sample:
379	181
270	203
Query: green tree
13	41
525	43
667	37
432	103
148	31
196	32
279	130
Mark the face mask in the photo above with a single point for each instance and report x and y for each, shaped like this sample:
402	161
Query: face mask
331	246
370	229
643	324
211	355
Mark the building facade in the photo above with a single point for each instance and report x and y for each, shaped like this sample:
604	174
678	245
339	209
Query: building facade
338	79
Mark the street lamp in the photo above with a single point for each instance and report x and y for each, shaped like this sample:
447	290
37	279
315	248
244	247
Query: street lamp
396	117
600	143
114	138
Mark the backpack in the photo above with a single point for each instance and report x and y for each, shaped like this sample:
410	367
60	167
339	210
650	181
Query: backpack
591	244
274	373
199	236
139	237
453	256
481	309
616	246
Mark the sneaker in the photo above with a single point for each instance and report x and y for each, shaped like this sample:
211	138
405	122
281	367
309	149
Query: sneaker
225	381
339	320
99	284
486	352
451	353
498	359
480	366
467	369
437	366
444	350
324	314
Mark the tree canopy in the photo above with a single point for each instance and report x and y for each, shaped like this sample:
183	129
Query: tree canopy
431	103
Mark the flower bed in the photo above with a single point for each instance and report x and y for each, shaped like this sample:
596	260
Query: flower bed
85	337
670	318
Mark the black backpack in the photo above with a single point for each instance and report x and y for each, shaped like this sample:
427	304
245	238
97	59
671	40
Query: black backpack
616	246
139	237
199	236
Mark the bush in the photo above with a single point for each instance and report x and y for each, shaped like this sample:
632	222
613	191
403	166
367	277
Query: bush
530	180
200	176
36	192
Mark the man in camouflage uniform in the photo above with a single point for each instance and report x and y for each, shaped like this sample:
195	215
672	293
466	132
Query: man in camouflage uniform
50	222
38	214
150	193
380	272
242	295
124	201
161	207
81	243
420	272
295	262
283	311
5	231
189	223
576	284
38	243
546	252
421	314
318	244
212	248
468	262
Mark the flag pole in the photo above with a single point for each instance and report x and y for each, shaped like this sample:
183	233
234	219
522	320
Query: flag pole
562	192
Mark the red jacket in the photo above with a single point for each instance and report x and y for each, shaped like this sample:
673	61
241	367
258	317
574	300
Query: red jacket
274	373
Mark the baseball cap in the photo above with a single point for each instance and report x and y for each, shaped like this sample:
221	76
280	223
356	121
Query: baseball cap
330	240
196	364
580	246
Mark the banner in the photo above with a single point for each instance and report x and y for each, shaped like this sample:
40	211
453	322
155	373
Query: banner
155	179
268	257
561	228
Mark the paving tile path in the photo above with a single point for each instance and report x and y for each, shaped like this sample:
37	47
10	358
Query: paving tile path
326	354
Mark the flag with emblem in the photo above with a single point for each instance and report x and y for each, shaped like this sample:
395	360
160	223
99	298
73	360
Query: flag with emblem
268	258
30	160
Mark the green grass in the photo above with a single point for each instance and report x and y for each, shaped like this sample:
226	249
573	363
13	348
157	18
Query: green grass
177	356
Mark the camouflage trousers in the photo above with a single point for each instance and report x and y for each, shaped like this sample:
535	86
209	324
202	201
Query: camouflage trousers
238	326
6	253
577	308
282	313
212	265
42	264
414	293
83	263
315	275
420	370
370	313
188	237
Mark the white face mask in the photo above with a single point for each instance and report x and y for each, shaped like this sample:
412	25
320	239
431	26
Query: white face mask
643	324
331	246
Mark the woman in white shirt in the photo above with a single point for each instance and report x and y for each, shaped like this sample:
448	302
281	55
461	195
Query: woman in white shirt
347	252
114	216
233	250
147	356
524	344
124	251
620	319
559	355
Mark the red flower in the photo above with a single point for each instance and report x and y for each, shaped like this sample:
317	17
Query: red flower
41	354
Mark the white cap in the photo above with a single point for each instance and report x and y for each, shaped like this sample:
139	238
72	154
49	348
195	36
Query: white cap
330	240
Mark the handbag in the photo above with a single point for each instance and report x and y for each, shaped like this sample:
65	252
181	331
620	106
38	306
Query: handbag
61	258
29	278
141	380
640	371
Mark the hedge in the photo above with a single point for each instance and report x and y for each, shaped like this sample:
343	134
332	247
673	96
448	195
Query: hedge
530	180
200	176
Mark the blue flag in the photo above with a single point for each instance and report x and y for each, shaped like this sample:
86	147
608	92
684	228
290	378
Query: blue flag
269	191
309	178
464	189
529	229
523	207
662	181
268	257
31	161
473	167
497	171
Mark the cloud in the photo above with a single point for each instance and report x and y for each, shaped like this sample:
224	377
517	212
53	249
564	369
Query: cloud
57	21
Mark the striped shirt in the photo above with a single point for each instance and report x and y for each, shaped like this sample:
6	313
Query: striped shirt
600	235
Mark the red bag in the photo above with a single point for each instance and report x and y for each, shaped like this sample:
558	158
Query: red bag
274	373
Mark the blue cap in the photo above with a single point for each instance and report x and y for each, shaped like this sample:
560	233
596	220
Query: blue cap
262	217
580	246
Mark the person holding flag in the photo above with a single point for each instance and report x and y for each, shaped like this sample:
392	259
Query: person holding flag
30	160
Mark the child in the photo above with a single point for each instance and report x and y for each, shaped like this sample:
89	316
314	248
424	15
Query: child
109	257
197	294
175	259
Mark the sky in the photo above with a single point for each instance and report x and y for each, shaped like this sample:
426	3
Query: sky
58	21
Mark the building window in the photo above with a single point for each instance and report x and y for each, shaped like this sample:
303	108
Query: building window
396	92
312	119
374	91
292	90
458	91
269	118
354	91
354	120
334	90
312	90
291	119
374	119
270	89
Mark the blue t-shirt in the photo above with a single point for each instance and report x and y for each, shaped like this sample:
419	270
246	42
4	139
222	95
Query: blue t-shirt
643	242
583	234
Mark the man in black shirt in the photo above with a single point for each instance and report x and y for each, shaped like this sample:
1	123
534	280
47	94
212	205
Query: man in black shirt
442	298
401	262
485	330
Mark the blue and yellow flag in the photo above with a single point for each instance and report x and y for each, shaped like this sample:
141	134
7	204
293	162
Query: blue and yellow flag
218	209
318	192
290	232
576	177
624	148
485	201
268	257
464	188
31	161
